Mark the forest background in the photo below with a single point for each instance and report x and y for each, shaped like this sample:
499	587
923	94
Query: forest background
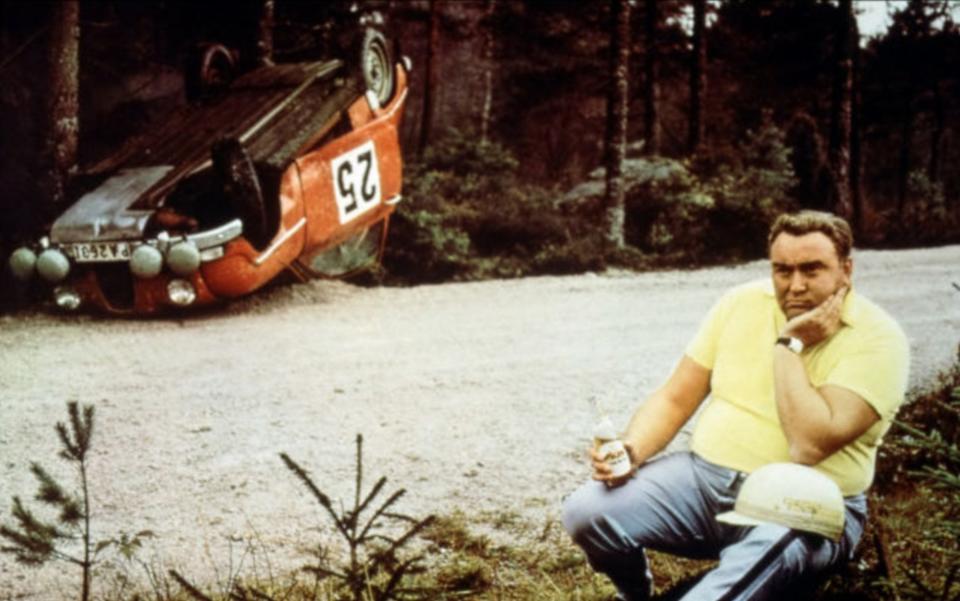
560	136
543	136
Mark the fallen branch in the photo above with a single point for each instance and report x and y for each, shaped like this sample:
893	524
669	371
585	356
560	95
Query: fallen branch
191	590
885	560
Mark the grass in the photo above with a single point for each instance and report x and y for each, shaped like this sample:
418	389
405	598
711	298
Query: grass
909	552
536	561
502	556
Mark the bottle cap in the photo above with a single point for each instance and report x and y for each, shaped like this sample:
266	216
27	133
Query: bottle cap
603	430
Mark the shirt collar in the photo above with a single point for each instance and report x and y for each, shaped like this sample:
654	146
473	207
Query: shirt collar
849	313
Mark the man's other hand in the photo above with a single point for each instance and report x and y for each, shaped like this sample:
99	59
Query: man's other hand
819	323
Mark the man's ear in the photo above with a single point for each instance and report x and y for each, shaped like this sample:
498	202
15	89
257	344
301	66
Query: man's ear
847	270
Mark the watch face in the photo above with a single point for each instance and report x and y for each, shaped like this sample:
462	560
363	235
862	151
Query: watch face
794	344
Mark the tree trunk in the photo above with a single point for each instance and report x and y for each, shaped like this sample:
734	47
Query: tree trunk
488	41
62	105
934	169
651	84
856	131
698	77
906	140
917	26
841	109
432	76
616	138
265	33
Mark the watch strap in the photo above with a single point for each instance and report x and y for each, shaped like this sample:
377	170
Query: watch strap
794	344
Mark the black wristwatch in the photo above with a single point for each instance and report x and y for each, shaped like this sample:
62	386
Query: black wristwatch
794	344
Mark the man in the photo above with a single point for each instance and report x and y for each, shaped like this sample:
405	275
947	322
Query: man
805	371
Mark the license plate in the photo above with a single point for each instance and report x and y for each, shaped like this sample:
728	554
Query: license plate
97	252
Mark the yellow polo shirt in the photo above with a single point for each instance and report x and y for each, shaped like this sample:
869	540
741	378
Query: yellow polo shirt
739	427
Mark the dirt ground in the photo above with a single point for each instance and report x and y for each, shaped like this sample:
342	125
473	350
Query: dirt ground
470	396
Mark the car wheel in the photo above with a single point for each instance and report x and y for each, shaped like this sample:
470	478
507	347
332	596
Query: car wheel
218	67
208	70
241	187
376	61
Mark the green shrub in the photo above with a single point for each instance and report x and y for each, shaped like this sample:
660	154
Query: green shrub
682	225
710	209
706	211
468	215
925	218
750	192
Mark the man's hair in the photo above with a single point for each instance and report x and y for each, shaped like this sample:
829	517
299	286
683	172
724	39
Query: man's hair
808	222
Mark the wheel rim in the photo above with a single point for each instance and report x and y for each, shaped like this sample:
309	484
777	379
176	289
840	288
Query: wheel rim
376	70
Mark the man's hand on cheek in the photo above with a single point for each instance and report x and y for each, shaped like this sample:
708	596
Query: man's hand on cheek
819	323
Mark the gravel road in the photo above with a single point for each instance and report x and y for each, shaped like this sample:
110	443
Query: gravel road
470	396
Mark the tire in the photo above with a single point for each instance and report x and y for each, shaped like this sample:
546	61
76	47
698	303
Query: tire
241	187
376	63
209	69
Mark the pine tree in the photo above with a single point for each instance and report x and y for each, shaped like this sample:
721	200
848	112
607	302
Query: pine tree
616	135
841	108
60	152
696	125
34	541
651	79
374	571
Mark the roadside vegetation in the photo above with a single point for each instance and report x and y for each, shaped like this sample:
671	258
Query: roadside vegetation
910	551
917	493
469	213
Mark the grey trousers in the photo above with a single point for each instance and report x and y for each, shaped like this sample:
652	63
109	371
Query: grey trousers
669	505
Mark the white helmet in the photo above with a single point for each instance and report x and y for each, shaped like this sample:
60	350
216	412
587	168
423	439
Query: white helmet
791	495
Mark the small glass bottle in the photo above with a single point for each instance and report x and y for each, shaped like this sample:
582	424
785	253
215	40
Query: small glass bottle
608	445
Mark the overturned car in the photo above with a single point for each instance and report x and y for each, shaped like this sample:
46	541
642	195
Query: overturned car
294	167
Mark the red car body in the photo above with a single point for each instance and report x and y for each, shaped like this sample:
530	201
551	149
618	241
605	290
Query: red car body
327	172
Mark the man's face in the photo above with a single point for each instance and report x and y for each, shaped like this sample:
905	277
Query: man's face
806	271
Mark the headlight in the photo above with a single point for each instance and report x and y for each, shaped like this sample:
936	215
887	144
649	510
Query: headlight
183	258
23	261
146	261
53	265
66	298
181	292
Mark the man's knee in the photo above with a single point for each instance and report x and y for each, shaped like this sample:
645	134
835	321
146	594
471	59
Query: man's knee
579	513
636	514
590	519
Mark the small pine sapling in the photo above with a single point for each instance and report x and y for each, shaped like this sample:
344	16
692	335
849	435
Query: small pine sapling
33	541
375	571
